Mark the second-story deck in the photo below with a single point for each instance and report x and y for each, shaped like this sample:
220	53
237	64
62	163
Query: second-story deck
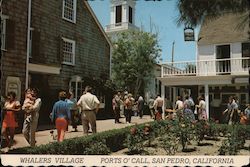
233	66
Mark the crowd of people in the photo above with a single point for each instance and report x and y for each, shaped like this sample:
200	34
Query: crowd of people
234	114
131	106
186	106
67	110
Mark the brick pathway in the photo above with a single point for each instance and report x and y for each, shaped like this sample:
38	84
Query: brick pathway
44	137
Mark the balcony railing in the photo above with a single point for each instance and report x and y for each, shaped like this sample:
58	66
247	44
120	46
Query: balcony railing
235	66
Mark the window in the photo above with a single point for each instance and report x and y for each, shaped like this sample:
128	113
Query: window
118	14
223	52
130	15
245	55
68	51
3	33
69	10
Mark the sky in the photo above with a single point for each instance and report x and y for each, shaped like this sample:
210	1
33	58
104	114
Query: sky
163	15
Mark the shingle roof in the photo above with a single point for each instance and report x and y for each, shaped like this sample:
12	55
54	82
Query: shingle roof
224	29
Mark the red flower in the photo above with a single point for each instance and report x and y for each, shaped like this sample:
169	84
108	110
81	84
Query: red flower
133	131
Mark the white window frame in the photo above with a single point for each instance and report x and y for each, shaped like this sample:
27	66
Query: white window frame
3	32
73	51
74	12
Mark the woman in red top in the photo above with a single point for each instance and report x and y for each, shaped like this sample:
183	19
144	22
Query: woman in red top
10	107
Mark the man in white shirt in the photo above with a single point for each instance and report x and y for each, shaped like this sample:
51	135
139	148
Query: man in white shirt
179	103
158	104
89	105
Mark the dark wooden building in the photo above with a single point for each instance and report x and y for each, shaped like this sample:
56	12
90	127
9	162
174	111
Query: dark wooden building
67	49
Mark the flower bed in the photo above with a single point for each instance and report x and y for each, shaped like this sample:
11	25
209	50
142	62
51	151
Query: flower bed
172	137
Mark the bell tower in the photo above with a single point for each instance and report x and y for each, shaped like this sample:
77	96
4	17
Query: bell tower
122	16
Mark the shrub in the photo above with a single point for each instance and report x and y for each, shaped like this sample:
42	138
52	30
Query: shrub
97	148
134	141
114	140
169	143
234	142
201	129
184	132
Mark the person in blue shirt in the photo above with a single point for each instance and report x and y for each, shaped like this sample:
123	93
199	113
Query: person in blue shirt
61	116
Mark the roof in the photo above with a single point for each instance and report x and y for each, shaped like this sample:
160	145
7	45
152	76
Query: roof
224	29
98	23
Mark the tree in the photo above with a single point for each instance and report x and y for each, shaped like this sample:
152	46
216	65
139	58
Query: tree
134	56
192	12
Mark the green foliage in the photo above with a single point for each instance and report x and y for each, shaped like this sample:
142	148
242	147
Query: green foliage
113	139
133	60
134	141
201	129
170	134
169	143
234	142
97	148
192	12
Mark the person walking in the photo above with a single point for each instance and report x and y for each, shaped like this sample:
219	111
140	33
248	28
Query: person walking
179	103
31	117
11	106
128	108
231	110
61	115
202	114
158	104
151	107
89	105
140	105
116	102
73	110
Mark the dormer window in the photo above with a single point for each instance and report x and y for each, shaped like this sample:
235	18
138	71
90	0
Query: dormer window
69	10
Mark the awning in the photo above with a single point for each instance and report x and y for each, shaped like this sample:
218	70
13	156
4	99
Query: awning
43	69
201	80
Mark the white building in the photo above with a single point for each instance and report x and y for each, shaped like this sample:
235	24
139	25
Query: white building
221	68
122	17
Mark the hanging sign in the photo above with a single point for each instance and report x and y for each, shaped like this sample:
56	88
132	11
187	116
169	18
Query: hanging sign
189	34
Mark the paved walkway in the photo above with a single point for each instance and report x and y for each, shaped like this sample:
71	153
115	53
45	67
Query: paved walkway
45	137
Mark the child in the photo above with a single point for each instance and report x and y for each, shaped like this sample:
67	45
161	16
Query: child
28	102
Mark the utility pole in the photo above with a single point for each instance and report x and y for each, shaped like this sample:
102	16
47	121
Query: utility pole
173	53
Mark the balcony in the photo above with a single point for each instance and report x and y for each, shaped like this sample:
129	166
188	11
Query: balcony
233	66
